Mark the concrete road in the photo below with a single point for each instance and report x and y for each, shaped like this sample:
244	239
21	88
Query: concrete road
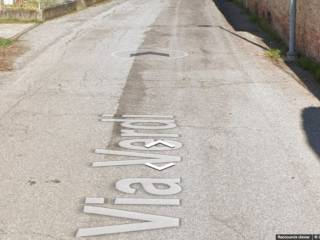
248	167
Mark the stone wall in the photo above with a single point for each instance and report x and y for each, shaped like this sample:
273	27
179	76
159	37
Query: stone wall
308	21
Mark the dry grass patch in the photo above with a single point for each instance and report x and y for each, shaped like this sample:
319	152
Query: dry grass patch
9	51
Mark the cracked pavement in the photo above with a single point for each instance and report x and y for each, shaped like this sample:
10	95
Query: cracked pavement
250	164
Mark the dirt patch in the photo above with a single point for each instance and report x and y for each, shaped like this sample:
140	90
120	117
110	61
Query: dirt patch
9	54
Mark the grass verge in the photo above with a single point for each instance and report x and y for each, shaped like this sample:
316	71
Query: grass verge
5	42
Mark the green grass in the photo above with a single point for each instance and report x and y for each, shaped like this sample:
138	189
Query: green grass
253	18
310	65
5	42
274	54
238	2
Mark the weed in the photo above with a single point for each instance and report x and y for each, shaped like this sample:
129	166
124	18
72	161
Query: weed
273	54
304	62
253	18
317	74
309	65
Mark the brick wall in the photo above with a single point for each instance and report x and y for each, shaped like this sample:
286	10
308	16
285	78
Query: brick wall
308	21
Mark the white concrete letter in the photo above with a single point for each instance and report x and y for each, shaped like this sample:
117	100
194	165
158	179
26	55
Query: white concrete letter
151	222
144	158
147	124
134	133
147	201
150	185
130	144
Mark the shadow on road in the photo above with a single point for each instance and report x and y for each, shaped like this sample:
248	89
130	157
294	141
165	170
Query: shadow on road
240	22
236	17
311	126
243	38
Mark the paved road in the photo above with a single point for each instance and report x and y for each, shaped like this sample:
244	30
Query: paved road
248	167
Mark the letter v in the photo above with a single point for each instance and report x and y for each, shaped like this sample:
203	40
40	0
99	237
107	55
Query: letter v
151	222
147	158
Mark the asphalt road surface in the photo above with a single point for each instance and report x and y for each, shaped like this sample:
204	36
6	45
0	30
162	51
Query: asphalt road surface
82	113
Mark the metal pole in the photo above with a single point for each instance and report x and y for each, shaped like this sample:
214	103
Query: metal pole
291	55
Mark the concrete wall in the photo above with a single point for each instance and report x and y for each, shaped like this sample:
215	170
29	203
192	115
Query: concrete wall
47	13
24	15
59	10
308	21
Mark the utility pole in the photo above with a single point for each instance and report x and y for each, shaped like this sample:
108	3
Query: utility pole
291	55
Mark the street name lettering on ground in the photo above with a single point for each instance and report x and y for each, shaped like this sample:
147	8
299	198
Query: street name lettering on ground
147	133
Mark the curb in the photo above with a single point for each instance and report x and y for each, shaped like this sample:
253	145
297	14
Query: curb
18	35
95	2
